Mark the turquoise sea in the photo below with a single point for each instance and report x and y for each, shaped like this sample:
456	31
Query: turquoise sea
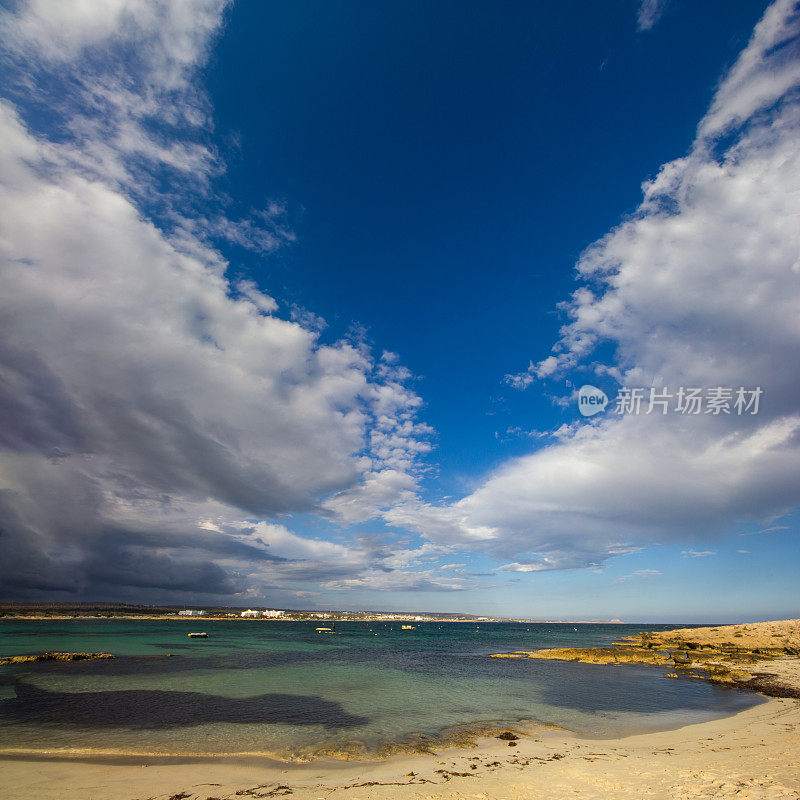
282	689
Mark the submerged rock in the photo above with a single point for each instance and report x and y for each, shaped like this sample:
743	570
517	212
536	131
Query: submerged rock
618	654
54	656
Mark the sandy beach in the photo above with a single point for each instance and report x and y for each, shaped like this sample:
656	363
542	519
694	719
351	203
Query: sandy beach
753	754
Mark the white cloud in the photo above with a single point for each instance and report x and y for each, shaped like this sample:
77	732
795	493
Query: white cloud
105	92
698	288
641	574
377	492
284	544
771	529
59	32
517	567
422	581
698	553
149	405
404	558
767	70
649	13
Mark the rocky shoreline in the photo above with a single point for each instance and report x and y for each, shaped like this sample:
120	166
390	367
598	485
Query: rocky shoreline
762	657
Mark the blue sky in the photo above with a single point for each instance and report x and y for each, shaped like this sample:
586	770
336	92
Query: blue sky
445	164
297	296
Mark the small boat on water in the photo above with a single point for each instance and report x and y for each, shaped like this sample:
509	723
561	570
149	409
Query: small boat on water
198	636
408	627
332	629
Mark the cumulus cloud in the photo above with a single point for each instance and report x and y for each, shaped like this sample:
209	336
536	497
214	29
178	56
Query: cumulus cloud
376	493
517	567
119	79
290	562
699	287
419	581
160	422
766	72
149	405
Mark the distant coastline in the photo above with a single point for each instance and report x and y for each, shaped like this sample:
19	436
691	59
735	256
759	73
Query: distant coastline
92	611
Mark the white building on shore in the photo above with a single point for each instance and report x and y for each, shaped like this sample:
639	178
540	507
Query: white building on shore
191	612
269	613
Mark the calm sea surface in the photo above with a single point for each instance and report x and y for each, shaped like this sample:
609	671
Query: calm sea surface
282	689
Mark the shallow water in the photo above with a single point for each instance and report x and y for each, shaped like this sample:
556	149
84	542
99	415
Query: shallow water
282	689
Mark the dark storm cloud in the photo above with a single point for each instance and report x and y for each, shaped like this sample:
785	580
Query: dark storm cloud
145	401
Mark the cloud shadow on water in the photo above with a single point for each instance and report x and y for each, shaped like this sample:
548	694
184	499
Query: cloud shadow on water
145	709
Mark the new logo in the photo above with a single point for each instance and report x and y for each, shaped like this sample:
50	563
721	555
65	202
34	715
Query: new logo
591	400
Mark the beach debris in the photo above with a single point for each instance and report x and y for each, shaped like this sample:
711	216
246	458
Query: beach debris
508	736
381	783
551	757
256	791
447	774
